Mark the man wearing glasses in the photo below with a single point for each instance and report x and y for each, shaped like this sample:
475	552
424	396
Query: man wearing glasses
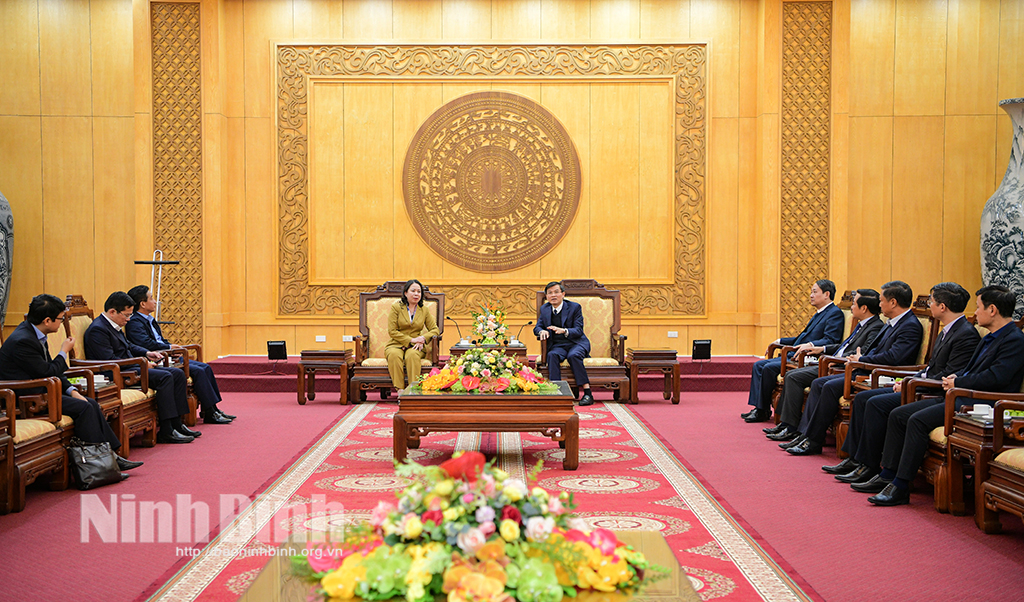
105	340
25	355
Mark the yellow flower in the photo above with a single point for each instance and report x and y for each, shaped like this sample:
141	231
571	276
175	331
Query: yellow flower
451	514
513	493
539	493
445	487
499	474
509	530
341	583
415	591
413	527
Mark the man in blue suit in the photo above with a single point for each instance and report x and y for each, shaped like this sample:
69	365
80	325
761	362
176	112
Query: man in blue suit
560	322
898	344
143	330
825	328
997	366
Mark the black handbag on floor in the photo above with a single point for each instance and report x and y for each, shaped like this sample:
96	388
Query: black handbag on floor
92	464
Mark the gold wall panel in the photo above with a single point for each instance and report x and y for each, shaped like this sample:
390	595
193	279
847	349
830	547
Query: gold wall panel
178	165
297	64
806	138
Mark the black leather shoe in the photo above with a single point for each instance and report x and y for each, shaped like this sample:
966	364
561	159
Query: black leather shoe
793	443
875	485
587	400
124	475
744	415
214	418
124	465
173	436
861	474
223	415
786	434
759	415
771	430
891	496
806	448
842	468
184	430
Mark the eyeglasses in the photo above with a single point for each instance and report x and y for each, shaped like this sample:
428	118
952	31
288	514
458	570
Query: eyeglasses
59	318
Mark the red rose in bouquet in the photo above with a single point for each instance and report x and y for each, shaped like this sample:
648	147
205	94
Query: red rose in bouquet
511	513
468	466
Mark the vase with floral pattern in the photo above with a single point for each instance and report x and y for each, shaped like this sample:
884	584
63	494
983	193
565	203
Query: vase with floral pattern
1002	220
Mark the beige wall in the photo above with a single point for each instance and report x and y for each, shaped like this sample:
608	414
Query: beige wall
918	141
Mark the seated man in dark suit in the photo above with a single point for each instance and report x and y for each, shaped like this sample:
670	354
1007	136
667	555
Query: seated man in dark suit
25	355
951	351
997	366
105	340
896	345
560	322
143	330
825	328
865	309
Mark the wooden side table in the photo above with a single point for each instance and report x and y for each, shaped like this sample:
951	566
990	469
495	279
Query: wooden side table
971	441
327	361
653	360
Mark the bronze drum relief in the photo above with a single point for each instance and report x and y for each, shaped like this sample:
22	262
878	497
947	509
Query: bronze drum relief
492	181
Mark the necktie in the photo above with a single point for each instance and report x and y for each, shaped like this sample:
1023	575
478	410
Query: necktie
46	348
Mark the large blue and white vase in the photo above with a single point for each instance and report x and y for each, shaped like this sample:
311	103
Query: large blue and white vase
1002	220
6	254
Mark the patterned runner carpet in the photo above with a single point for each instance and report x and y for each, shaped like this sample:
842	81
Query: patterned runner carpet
627	479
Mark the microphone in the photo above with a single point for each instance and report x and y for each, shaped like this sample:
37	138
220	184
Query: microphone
457	329
521	330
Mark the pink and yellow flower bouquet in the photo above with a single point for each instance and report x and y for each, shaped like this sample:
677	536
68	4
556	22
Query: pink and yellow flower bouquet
489	324
467	531
480	370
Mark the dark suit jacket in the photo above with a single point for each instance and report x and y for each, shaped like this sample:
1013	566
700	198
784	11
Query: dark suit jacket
953	351
572	322
865	333
103	342
824	328
1000	369
896	345
139	333
23	358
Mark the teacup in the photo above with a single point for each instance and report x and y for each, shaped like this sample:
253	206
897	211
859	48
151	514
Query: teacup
982	409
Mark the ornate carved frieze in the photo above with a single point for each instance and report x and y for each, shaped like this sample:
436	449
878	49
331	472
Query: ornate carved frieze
491	181
686	64
178	165
806	139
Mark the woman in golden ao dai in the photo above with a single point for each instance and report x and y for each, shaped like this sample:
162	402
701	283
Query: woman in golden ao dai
411	327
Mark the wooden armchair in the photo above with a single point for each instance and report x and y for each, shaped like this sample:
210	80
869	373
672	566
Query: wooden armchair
371	368
602	311
1004	487
6	448
36	447
138	412
855	384
801	359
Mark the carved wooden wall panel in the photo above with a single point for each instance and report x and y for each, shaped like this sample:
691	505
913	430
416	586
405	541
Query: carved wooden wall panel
806	138
685	64
178	165
492	181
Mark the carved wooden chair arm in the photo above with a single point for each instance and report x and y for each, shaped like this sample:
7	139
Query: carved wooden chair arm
877	373
542	359
619	348
89	390
830	364
179	352
198	349
910	386
1015	430
52	395
123	380
8	406
954	393
360	343
772	348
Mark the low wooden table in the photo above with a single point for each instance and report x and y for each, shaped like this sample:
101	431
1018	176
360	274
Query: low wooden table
653	360
971	441
327	361
551	414
517	351
277	583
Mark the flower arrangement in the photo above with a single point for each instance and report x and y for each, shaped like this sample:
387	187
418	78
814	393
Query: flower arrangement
485	371
489	324
466	530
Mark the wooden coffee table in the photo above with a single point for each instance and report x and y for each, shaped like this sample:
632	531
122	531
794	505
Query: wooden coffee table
653	360
328	361
552	415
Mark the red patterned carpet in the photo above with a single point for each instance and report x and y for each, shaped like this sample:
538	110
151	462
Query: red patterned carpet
627	480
